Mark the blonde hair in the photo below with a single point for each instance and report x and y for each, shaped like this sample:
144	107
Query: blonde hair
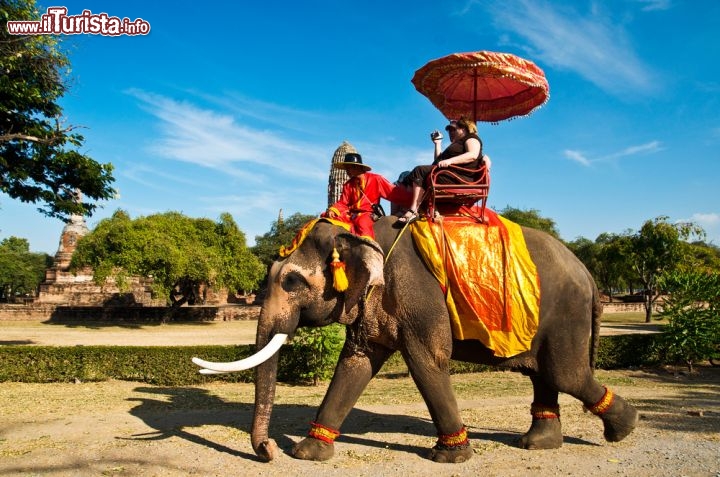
467	124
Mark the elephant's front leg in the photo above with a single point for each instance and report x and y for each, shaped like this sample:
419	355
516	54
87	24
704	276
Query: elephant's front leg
352	375
429	368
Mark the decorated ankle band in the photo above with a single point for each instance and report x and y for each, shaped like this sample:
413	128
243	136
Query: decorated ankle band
458	440
323	433
541	411
603	404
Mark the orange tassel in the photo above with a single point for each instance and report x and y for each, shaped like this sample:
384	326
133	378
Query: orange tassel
340	281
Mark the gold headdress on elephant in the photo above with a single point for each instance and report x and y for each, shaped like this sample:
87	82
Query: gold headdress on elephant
340	280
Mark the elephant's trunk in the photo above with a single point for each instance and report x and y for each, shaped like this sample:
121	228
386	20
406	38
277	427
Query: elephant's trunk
265	378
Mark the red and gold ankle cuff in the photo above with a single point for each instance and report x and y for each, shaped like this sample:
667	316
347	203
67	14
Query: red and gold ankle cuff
541	411
324	433
603	404
457	440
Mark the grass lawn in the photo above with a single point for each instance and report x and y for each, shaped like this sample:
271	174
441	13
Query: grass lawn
630	317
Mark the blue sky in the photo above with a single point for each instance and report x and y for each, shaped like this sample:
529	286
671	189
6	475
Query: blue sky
238	107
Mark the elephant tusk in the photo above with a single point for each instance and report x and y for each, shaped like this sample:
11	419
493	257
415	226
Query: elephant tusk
211	371
250	362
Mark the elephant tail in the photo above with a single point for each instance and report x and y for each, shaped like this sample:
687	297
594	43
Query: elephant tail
597	311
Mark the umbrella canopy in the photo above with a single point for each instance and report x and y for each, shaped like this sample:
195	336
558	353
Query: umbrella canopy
484	85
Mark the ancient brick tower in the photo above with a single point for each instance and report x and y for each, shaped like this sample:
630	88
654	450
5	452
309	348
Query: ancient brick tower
338	176
63	287
74	230
60	285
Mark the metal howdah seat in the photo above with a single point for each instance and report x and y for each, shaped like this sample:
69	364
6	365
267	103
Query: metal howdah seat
460	196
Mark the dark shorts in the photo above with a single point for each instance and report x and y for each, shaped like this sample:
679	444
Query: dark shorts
419	176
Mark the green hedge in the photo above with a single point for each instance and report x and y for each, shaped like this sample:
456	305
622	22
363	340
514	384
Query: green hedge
171	365
625	351
161	365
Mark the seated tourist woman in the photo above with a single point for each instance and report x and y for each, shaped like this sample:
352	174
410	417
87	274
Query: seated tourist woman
465	150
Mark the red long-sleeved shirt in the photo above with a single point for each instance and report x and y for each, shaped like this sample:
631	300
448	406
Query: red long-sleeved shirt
361	192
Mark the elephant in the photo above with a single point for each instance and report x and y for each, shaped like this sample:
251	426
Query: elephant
384	313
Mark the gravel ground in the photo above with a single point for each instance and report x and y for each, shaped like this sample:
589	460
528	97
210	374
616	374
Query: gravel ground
169	334
108	334
126	428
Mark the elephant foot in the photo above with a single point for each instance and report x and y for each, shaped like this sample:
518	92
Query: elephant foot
545	431
313	449
543	434
452	448
450	456
267	450
619	419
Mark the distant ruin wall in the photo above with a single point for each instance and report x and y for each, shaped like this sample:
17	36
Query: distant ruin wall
30	312
79	289
620	307
138	314
150	314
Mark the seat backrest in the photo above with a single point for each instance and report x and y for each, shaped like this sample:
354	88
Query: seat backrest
460	192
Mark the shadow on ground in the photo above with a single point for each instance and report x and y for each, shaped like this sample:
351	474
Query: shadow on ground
181	409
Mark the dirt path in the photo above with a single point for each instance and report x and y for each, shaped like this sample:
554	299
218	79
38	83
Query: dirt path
104	334
170	334
125	428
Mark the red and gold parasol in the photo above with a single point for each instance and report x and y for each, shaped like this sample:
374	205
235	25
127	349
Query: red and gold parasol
484	85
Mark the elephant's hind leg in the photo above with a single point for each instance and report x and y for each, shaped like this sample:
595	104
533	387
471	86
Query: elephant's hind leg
619	418
545	431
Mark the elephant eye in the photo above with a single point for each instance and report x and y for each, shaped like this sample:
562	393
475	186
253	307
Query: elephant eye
293	281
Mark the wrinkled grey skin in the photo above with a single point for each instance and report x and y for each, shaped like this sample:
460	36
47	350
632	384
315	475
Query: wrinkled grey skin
406	312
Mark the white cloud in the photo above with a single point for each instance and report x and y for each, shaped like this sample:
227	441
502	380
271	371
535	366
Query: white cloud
277	156
710	223
139	173
655	5
641	149
577	156
594	46
275	115
230	140
648	148
216	140
706	220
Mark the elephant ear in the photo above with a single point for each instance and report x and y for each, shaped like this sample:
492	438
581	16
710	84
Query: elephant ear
364	262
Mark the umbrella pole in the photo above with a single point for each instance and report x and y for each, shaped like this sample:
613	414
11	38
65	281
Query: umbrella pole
475	80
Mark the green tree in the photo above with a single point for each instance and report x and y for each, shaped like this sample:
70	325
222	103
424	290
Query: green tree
20	270
179	253
584	249
612	267
530	218
315	354
693	313
587	251
281	233
39	162
701	255
604	258
656	249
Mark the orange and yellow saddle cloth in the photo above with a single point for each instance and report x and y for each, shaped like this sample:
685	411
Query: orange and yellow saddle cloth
490	282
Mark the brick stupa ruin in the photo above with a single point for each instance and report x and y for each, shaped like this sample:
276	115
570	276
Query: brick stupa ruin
64	287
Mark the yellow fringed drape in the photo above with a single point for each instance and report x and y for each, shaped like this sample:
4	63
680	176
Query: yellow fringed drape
492	289
300	236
